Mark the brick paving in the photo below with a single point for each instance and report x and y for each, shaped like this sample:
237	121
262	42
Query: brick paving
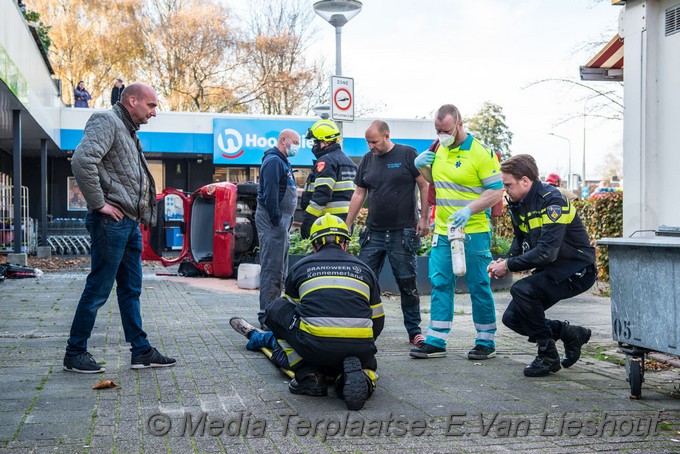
222	398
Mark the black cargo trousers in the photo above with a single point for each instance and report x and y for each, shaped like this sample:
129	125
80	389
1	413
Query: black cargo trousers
325	357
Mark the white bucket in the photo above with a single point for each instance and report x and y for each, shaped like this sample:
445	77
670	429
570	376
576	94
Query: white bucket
248	276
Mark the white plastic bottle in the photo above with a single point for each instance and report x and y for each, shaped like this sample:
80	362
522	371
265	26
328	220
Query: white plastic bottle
457	240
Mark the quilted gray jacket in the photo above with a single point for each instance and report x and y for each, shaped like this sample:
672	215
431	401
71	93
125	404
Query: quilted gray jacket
109	167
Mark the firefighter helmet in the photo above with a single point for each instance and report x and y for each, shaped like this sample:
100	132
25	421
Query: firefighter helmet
328	229
324	131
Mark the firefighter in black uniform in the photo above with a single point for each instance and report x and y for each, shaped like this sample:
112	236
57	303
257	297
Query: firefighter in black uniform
330	185
549	238
326	323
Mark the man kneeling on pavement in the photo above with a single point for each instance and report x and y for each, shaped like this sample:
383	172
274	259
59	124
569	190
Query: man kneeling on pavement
325	325
549	238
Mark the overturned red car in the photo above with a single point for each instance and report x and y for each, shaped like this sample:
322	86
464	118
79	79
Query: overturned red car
216	227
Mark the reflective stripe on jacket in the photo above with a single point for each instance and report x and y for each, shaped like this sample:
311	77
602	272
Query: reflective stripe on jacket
336	296
549	234
330	185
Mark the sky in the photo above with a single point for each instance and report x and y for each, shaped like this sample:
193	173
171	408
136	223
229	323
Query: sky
408	57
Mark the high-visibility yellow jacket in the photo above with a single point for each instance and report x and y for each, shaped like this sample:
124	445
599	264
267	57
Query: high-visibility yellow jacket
460	175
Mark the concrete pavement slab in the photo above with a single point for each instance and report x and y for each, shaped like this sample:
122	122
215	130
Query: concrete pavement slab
441	405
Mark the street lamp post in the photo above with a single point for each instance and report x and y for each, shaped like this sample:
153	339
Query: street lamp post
338	13
569	167
583	169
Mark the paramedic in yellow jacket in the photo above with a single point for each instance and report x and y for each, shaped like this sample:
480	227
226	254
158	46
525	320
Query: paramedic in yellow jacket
467	180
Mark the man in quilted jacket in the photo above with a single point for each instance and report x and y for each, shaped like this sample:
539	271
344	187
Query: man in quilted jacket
115	180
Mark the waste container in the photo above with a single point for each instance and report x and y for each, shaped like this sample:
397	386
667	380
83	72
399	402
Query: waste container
645	299
173	238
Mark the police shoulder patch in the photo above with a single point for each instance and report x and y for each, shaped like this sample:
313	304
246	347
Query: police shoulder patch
554	212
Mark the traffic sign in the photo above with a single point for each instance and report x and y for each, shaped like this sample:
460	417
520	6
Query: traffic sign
342	103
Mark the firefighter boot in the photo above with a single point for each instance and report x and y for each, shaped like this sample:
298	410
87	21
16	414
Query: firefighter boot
573	337
357	386
312	384
547	361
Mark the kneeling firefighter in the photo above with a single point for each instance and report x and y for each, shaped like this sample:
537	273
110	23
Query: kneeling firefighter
325	326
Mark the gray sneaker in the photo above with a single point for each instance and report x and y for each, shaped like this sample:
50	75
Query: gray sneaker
152	358
83	363
241	326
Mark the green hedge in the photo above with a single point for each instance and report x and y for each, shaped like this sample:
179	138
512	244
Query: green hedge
603	218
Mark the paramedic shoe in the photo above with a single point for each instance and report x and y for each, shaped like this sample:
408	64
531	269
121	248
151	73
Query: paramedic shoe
241	326
313	384
152	358
428	351
547	361
481	352
356	388
573	337
83	363
417	340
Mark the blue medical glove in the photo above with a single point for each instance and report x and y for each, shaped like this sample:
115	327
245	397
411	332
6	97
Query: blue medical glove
461	217
425	158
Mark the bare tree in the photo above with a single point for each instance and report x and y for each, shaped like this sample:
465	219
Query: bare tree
607	102
193	49
276	39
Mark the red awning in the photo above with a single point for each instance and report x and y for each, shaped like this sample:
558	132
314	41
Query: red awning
607	64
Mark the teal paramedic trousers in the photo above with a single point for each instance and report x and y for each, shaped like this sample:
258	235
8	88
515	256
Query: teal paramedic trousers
477	259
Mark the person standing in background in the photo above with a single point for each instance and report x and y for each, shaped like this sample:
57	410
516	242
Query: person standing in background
81	96
388	176
276	203
330	185
116	91
467	180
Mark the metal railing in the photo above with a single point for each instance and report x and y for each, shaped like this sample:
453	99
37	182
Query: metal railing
28	225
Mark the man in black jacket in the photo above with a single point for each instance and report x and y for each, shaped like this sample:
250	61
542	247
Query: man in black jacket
117	91
327	323
330	185
276	203
549	238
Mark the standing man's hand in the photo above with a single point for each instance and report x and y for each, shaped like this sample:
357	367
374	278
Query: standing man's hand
112	211
461	217
423	228
497	269
426	158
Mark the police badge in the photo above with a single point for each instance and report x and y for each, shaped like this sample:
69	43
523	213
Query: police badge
554	212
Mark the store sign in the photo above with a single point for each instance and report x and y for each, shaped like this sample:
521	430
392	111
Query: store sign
243	142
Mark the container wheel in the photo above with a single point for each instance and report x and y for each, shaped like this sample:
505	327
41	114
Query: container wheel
635	368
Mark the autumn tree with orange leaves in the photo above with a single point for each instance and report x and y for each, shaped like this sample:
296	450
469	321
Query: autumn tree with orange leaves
196	54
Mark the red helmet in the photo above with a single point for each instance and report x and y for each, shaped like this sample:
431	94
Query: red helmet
553	179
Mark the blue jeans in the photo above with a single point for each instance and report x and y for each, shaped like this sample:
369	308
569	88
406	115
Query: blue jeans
116	254
400	246
477	258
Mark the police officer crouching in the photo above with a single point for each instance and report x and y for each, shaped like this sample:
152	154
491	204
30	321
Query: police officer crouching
325	325
550	239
